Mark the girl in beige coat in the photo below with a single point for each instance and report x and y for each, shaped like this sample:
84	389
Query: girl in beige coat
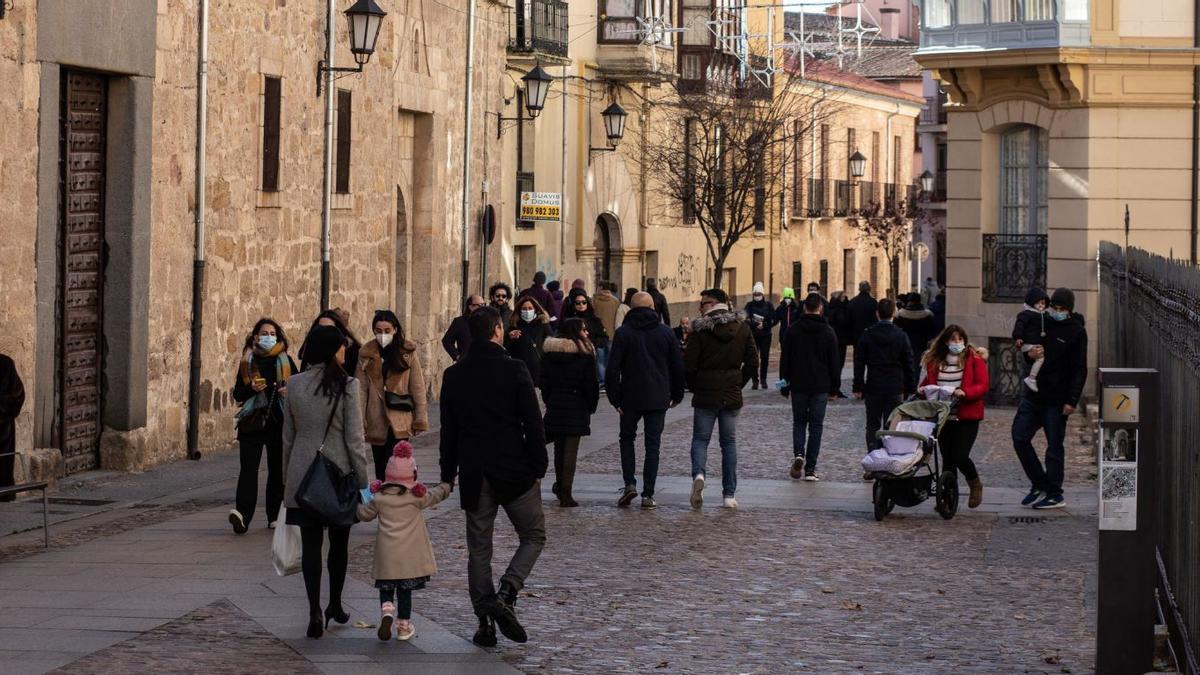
394	403
403	555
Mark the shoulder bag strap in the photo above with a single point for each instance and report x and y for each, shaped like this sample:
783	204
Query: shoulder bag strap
329	422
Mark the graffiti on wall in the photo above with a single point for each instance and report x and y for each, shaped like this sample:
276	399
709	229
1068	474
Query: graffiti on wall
689	269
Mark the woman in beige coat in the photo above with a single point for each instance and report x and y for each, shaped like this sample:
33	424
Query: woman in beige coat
394	403
403	555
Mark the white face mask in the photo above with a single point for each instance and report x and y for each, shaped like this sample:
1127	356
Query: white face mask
956	347
266	342
384	339
528	314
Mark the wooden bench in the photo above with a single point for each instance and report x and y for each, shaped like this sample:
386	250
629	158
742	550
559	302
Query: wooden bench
26	487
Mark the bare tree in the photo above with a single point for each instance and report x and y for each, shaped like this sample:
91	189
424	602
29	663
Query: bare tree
889	230
722	155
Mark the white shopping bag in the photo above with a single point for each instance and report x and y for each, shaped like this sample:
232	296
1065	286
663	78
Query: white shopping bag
285	547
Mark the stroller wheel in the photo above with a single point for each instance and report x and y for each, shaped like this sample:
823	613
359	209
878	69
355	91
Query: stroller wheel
947	494
883	503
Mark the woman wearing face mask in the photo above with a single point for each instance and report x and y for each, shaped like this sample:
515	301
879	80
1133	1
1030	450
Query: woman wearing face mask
395	407
260	388
527	329
957	370
339	319
581	307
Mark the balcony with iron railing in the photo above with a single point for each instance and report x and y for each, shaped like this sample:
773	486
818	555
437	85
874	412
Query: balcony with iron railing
1012	264
939	186
843	191
868	195
977	25
538	28
934	112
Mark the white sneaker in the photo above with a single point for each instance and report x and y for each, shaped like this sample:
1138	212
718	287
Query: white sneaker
811	476
730	503
236	520
1031	382
697	490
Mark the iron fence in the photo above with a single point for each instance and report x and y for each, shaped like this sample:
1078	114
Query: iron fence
841	198
538	26
816	197
868	195
1150	318
1012	264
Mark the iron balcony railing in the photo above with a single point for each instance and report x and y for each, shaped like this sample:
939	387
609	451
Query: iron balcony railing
816	197
934	111
890	197
868	195
841	199
939	185
1012	264
538	27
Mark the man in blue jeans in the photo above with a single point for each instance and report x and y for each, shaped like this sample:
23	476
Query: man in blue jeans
644	377
717	363
812	372
1060	383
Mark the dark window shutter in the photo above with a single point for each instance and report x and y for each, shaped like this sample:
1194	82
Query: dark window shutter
342	181
270	158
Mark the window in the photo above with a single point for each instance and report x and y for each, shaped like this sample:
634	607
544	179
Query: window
341	183
759	265
1005	11
898	160
694	15
618	20
718	177
875	274
825	278
270	134
1075	10
797	165
691	67
824	157
797	275
650	267
848	275
689	172
1024	169
876	148
1039	10
661	9
937	13
758	152
730	277
971	12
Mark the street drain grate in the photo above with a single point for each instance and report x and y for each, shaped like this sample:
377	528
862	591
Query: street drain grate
1026	520
78	501
144	506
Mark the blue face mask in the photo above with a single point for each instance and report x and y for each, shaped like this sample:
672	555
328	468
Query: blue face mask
1059	316
266	342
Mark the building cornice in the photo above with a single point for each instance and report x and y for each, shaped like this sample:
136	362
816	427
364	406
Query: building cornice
1112	56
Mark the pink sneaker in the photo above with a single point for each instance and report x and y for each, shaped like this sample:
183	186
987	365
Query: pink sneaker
405	630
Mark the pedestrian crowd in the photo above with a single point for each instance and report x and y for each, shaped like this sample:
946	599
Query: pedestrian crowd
337	429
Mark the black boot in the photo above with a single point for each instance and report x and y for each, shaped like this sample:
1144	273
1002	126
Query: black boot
505	614
566	479
315	629
558	470
486	635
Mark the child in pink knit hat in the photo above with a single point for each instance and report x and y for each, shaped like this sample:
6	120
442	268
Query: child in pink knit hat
403	555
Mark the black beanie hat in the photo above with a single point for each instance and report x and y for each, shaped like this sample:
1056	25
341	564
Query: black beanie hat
322	343
1063	297
1034	295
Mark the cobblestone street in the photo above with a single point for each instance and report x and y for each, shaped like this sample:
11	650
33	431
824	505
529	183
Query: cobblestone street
799	579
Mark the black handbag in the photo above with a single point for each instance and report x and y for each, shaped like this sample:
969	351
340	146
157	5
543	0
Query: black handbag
401	402
326	493
256	420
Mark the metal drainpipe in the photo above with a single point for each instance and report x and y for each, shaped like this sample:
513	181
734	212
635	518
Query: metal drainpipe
1195	135
327	159
468	86
193	428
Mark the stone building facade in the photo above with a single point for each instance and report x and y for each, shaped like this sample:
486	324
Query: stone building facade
1060	116
98	255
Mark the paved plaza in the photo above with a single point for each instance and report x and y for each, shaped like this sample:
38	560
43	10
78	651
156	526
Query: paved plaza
799	579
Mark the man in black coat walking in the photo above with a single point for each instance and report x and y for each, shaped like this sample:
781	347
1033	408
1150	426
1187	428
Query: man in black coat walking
760	314
882	372
457	339
660	301
809	364
492	439
643	379
862	312
1060	384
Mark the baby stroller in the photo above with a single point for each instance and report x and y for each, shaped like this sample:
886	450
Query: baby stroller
909	479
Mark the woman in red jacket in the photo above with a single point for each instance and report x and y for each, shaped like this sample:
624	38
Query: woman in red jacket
956	369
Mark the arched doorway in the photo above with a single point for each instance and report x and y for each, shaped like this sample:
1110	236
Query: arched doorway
608	244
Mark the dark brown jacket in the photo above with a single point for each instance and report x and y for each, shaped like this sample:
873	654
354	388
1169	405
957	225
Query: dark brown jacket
719	358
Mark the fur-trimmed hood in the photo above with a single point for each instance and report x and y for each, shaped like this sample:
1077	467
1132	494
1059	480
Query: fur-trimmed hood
914	314
557	345
721	322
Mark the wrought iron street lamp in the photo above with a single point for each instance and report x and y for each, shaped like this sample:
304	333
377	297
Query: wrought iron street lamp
365	19
614	128
927	182
858	165
537	85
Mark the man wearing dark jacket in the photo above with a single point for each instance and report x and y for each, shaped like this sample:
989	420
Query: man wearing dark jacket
12	399
862	312
882	369
492	439
457	339
538	291
719	357
644	377
917	324
1060	383
808	362
660	301
760	313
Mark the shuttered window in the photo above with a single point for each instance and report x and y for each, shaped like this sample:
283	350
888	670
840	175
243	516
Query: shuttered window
342	175
270	130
